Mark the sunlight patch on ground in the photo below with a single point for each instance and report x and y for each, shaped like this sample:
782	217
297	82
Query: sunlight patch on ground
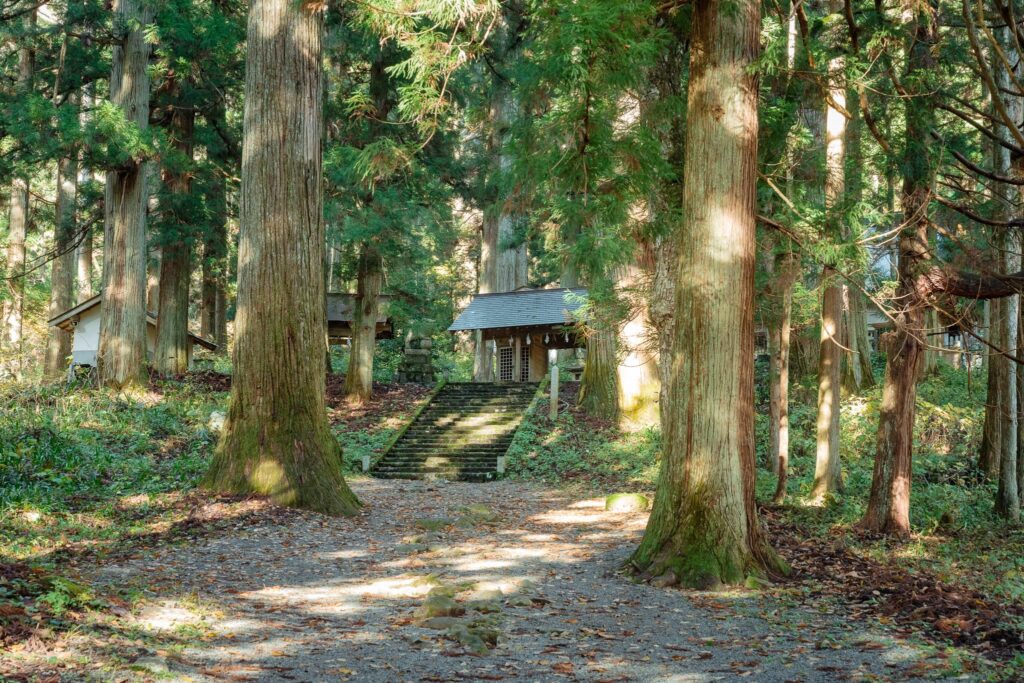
343	555
166	616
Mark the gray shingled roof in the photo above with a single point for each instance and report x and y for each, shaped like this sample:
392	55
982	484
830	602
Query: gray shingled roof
524	308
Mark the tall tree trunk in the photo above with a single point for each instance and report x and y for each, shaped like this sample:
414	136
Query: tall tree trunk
858	372
84	260
704	526
215	250
599	386
121	357
787	270
638	380
62	274
487	282
990	456
171	354
359	378
17	226
827	470
888	508
277	440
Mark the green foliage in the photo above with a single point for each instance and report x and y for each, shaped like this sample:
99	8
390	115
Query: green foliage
81	447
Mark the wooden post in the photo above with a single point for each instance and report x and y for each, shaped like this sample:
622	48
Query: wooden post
554	392
517	361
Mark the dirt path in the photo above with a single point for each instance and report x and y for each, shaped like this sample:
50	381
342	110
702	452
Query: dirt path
319	599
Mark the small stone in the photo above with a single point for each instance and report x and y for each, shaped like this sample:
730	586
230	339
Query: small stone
665	580
519	601
626	502
412	548
433	524
439	606
216	422
441	623
472	515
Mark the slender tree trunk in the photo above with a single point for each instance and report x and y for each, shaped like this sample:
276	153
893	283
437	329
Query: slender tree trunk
277	440
888	510
62	274
17	227
990	457
359	379
827	470
637	378
704	526
859	373
215	251
121	357
787	271
487	282
171	354
84	262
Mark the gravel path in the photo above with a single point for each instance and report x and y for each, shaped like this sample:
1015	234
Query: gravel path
321	599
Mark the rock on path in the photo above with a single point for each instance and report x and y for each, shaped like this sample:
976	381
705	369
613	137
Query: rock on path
323	599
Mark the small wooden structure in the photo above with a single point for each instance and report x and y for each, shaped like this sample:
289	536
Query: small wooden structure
341	313
523	326
83	321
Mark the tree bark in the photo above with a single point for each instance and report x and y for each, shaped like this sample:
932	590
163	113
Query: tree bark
359	378
858	371
827	468
704	525
62	273
171	354
17	227
121	357
487	282
787	271
213	320
599	387
990	456
277	440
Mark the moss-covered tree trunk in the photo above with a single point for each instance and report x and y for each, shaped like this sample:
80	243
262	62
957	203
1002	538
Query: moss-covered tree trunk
17	227
858	373
277	440
171	353
704	526
121	357
359	378
62	272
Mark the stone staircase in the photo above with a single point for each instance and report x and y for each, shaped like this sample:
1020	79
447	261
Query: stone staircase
460	434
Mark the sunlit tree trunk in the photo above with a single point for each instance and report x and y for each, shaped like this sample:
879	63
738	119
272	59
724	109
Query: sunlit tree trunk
638	382
487	282
17	226
121	357
827	470
277	440
62	273
359	379
171	353
704	526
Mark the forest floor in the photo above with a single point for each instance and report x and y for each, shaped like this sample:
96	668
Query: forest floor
114	567
440	582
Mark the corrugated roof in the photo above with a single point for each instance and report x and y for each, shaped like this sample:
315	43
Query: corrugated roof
523	308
